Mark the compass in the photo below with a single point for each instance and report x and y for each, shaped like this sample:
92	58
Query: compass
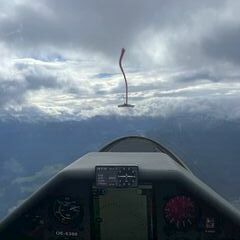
67	210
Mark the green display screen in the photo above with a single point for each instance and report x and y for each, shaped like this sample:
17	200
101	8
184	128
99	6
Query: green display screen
123	213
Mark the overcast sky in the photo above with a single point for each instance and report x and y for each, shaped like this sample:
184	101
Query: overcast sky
59	58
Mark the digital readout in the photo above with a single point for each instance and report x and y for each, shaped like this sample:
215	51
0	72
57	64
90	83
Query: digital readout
116	176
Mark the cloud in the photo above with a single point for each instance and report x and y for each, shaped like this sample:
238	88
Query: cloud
19	78
60	58
223	46
68	93
29	75
29	184
12	166
103	27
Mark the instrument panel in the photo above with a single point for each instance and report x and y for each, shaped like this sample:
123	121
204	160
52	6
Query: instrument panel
180	212
116	176
148	211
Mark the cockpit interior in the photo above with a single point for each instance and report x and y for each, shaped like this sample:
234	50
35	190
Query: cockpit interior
133	188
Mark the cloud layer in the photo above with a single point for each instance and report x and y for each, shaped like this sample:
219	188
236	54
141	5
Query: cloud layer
60	58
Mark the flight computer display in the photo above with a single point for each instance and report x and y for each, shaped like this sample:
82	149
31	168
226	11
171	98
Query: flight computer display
123	213
116	176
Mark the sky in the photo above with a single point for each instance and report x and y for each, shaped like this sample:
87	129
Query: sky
59	58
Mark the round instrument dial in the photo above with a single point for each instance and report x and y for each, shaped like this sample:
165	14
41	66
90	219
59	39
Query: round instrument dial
67	210
180	211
